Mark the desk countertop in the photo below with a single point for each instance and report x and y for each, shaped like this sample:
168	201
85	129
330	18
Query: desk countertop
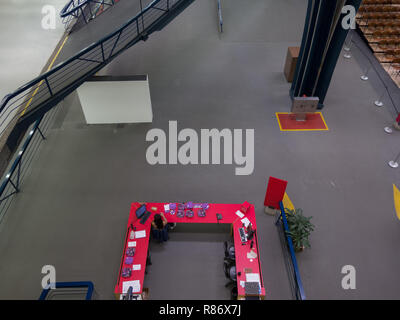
229	216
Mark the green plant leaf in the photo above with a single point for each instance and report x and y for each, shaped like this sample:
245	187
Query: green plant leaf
300	227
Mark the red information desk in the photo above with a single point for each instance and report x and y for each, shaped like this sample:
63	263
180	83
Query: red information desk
244	264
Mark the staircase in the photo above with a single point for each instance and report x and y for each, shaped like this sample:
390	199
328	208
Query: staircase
379	20
27	104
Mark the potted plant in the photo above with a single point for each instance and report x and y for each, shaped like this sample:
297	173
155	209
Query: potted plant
300	228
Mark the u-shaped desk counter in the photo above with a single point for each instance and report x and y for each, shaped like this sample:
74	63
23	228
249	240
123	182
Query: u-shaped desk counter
247	259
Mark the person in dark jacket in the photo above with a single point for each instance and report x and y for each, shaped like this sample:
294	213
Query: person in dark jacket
160	227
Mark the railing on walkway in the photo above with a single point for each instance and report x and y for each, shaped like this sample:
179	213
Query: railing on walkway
34	99
66	287
76	8
19	164
290	256
220	20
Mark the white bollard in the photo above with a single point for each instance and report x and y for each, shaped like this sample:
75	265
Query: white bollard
379	102
364	77
388	129
394	163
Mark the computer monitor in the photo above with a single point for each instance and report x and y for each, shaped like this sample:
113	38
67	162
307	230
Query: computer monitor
250	232
140	211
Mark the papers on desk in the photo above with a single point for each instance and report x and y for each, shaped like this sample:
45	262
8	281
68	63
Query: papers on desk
239	214
136	267
131	244
246	222
253	277
140	234
251	254
135	284
134	297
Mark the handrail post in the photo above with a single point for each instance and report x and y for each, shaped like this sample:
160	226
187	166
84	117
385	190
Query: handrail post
115	44
277	220
40	131
19	171
90	10
12	183
48	86
141	13
220	16
102	52
83	14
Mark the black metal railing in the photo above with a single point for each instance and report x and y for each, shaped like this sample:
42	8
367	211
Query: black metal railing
290	256
63	289
19	164
76	8
220	20
34	99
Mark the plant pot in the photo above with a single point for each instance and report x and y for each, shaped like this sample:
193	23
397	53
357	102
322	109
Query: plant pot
299	249
270	211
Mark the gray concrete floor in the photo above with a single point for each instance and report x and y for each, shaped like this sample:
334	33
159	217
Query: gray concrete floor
74	206
25	46
189	264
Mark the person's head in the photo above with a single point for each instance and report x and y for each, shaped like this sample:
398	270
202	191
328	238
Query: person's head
158	221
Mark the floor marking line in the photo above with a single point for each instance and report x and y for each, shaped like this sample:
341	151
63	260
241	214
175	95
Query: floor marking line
287	203
323	120
396	198
279	121
320	129
41	82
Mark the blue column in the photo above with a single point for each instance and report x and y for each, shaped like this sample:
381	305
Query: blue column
321	45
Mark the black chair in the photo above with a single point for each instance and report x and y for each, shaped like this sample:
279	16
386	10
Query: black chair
230	273
229	249
148	261
234	293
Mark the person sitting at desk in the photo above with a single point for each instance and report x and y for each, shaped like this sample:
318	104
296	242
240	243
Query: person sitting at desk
160	227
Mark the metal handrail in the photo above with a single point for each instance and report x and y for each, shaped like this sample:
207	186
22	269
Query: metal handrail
75	7
220	20
96	56
11	182
77	284
67	10
65	63
18	160
300	294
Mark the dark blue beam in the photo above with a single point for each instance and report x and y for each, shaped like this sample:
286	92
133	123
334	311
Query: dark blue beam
321	45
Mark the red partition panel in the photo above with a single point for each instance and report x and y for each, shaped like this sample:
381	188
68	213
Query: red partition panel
275	192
